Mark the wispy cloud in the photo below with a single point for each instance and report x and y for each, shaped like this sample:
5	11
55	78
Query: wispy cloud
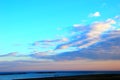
14	56
10	54
37	43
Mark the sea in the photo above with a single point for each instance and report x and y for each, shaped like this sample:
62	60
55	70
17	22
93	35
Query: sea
44	74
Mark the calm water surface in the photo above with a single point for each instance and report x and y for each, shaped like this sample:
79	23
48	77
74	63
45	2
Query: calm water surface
11	76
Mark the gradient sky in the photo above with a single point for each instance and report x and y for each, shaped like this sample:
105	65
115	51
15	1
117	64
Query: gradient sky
59	35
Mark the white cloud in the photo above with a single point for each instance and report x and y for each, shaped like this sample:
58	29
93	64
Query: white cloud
64	39
117	17
100	27
96	14
76	25
97	29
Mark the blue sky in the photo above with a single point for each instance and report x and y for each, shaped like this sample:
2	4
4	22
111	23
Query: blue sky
48	30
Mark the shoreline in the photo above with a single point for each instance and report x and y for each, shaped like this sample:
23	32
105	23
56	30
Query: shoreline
81	77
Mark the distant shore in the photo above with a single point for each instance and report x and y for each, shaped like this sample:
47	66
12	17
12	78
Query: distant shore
13	73
81	77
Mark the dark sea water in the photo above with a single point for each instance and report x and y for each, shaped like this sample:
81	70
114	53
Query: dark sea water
24	75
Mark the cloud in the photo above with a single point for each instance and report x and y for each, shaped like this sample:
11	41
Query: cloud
99	27
14	56
26	58
117	17
64	39
37	43
57	40
49	43
88	35
88	44
105	50
77	25
41	54
101	47
96	14
10	54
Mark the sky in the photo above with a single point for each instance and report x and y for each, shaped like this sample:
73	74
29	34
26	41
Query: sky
40	35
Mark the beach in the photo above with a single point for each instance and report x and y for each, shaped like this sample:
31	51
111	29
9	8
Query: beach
81	77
